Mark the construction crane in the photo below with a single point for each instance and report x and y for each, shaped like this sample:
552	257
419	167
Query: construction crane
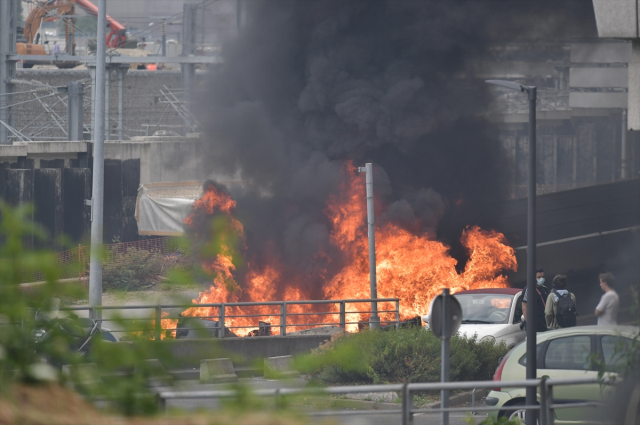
50	10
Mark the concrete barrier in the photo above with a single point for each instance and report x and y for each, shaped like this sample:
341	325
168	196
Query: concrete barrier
83	374
215	371
187	353
157	375
280	367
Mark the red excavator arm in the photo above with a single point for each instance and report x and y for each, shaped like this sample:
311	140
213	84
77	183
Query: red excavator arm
118	35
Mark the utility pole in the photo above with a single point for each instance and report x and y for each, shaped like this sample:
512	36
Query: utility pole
8	34
531	369
97	194
374	319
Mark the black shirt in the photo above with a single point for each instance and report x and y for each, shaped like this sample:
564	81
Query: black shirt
542	292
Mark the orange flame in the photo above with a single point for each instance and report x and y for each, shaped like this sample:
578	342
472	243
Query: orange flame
413	268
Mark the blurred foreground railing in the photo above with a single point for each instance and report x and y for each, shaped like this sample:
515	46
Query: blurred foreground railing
389	315
545	408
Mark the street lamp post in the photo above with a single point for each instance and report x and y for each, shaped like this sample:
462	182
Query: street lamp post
531	243
374	319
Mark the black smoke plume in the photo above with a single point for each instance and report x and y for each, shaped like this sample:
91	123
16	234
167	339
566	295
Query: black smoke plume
308	84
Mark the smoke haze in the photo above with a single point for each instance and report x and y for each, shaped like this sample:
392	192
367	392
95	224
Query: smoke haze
308	85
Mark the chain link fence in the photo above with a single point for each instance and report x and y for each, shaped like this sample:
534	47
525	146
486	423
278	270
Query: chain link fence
74	263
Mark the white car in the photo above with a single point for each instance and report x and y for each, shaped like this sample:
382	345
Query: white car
493	314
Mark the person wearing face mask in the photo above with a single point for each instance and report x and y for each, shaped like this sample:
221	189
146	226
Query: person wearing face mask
542	293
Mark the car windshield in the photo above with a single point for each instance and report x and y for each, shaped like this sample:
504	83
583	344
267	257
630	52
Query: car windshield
485	308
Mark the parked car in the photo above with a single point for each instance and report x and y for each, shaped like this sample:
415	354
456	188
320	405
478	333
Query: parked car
563	353
492	314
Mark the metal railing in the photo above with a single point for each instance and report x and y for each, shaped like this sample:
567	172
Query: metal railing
283	314
545	408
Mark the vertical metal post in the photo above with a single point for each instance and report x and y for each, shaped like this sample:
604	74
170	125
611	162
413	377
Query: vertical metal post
544	406
164	37
8	35
158	324
121	74
107	104
374	319
92	72
444	356
623	148
531	260
188	42
283	319
221	321
75	110
97	194
397	314
343	316
473	401
407	405
549	397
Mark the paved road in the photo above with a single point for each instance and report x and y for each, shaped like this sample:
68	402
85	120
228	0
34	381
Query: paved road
371	417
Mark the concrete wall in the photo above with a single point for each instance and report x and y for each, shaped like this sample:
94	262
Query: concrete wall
56	177
242	351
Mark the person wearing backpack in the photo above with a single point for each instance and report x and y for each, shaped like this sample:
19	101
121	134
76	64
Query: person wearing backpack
560	310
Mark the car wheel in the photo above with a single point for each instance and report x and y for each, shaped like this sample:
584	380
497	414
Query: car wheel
518	414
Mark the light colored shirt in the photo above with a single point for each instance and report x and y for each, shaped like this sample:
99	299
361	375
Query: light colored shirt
608	308
56	49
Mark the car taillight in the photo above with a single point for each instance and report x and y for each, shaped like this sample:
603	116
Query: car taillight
498	375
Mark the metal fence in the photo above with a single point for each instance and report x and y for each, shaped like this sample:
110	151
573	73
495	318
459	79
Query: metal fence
74	263
546	407
338	309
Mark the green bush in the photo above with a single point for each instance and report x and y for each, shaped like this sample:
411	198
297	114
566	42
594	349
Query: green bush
405	355
131	269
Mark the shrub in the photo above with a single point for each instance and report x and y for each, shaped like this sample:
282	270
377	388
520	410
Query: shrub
131	269
405	355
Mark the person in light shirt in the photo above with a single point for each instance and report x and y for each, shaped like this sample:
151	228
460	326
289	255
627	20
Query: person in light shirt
607	309
56	48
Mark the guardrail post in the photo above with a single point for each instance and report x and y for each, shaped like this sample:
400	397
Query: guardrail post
343	316
221	321
407	405
546	400
283	318
473	402
158	324
162	403
397	314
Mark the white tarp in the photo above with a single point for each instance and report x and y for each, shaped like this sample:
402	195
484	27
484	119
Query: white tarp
160	215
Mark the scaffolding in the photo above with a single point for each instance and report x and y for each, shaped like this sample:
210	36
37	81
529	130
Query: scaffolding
58	120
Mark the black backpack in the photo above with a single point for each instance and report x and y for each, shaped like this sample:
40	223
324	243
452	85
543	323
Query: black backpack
566	312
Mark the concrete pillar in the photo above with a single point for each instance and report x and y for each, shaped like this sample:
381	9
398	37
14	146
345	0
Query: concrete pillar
75	111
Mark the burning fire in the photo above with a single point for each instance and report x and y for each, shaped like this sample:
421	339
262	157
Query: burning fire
413	268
